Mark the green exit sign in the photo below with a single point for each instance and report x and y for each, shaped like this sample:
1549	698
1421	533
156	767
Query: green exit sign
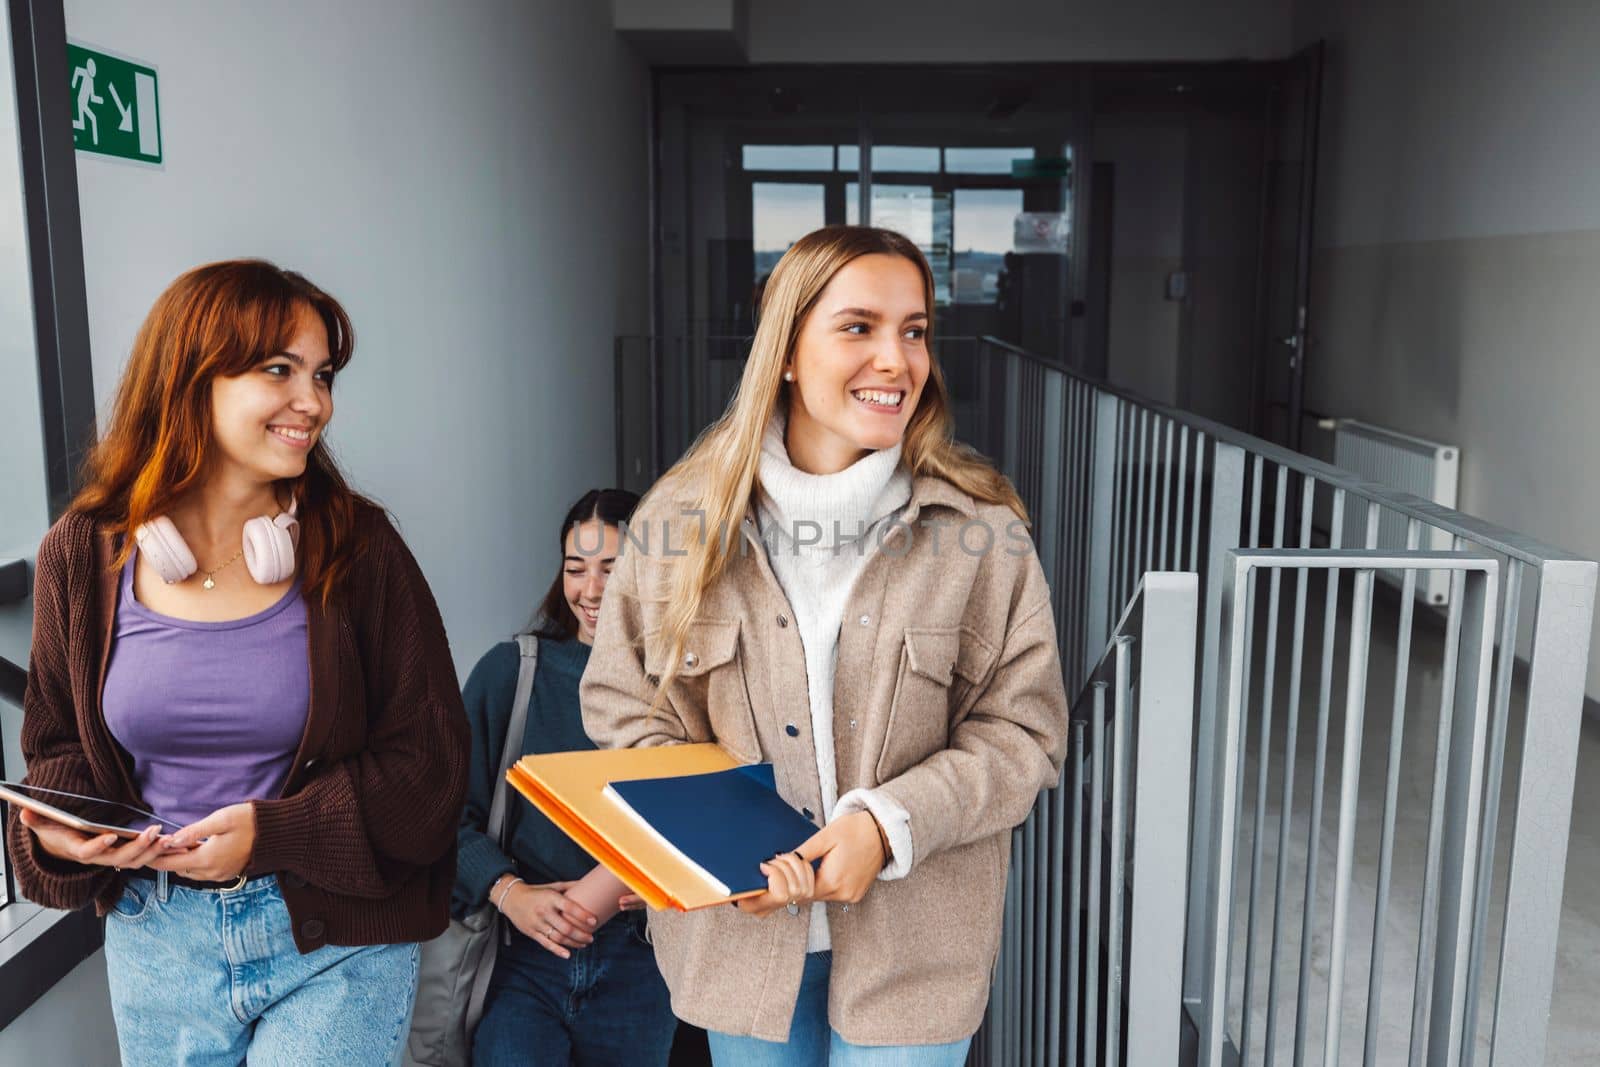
114	106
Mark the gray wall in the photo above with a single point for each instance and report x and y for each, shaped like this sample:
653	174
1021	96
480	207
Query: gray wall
471	181
1149	153
961	31
1458	246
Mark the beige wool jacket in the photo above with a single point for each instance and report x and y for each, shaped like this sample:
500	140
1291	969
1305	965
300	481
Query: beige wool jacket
948	697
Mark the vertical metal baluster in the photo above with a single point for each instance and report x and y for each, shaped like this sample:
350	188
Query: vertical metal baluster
1119	587
1121	708
1251	539
1234	621
1263	762
1075	962
1063	833
1097	792
1177	511
1505	666
1197	493
1318	777
1421	998
1391	798
1152	479
1308	489
1028	934
1141	532
1355	711
1165	474
1083	500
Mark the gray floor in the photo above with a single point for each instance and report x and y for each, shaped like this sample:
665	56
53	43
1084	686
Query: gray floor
1574	1034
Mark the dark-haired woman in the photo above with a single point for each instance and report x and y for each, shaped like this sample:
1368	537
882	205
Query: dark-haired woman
575	985
226	634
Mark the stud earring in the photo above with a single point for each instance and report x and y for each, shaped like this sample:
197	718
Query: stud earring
788	375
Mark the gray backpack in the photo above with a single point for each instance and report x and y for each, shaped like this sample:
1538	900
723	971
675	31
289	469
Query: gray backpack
456	965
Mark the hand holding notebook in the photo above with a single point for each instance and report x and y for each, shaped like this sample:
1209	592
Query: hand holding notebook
715	828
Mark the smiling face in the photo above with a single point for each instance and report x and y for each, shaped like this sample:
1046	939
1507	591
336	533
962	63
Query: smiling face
859	364
588	556
266	420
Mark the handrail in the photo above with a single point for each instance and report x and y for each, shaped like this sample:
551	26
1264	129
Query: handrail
1487	534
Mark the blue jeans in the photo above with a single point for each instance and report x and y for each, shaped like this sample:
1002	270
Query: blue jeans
813	1043
606	1005
201	978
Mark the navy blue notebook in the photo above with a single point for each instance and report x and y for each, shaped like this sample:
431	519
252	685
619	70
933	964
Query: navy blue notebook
728	823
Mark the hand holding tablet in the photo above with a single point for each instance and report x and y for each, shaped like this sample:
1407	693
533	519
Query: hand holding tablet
90	830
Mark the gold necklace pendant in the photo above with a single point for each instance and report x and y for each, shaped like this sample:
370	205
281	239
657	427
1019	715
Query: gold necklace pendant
211	581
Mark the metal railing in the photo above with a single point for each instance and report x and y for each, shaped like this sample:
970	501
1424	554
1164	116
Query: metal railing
1117	487
1110	827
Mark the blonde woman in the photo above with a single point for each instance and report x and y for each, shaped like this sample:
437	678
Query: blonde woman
827	582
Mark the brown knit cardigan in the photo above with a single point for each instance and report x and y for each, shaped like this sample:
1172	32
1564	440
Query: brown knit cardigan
362	837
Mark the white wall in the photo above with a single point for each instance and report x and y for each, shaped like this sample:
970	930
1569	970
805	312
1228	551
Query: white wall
969	31
471	181
1458	233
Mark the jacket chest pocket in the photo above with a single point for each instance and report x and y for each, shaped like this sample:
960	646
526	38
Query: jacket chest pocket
710	692
941	672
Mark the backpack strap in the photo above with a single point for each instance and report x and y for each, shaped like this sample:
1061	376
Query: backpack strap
528	645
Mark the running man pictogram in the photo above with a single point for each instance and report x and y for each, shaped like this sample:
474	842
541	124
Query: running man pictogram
83	81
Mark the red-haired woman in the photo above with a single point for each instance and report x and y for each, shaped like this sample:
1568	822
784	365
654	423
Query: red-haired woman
226	635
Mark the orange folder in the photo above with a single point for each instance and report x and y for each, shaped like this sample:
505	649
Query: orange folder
569	787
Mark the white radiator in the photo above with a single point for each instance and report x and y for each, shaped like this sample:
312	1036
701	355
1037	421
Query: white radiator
1423	468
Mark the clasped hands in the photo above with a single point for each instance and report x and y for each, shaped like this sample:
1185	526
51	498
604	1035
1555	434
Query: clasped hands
215	849
852	850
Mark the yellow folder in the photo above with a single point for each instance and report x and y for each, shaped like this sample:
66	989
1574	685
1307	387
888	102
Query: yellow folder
569	787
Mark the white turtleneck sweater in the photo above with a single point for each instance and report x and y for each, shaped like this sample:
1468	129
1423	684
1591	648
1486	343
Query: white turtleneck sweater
819	531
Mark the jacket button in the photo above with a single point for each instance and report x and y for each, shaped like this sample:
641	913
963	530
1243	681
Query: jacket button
294	881
866	620
313	929
852	724
807	813
690	660
783	620
792	730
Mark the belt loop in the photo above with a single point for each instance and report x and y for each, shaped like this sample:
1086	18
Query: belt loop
163	887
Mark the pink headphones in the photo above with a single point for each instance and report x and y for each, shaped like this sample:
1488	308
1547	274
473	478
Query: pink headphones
268	547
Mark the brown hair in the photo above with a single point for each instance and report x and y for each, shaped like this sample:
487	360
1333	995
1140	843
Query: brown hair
613	507
219	320
722	463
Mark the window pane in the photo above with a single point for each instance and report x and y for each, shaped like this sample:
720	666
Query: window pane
917	212
849	157
903	158
788	157
982	236
983	160
781	214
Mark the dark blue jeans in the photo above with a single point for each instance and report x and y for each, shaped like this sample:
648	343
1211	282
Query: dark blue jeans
605	1006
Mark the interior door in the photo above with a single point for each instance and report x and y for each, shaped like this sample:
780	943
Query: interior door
1286	341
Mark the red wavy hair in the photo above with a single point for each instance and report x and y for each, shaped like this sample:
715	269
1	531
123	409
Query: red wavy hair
219	320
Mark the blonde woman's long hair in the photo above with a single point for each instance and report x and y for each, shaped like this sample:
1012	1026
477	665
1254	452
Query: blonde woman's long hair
722	464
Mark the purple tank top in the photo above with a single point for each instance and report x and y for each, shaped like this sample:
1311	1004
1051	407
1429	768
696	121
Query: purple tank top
211	712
